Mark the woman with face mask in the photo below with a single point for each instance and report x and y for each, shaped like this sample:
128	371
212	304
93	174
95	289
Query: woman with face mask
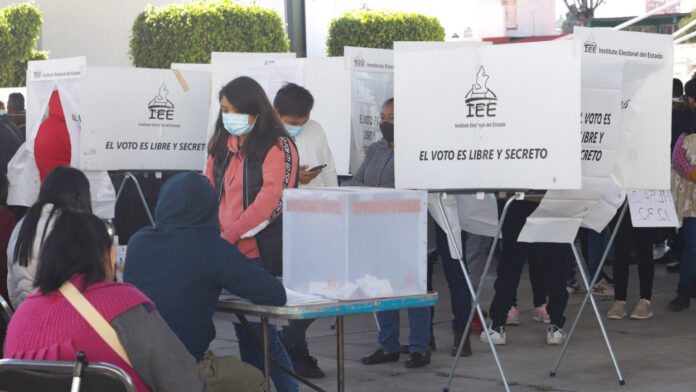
378	167
251	160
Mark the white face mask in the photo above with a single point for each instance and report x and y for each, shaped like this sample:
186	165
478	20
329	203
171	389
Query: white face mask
3	112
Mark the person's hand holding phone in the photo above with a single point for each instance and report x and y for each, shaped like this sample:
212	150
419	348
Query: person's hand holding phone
307	174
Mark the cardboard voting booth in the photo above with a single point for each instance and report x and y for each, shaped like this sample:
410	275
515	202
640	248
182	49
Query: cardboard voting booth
626	111
488	117
144	119
66	76
326	78
371	85
355	243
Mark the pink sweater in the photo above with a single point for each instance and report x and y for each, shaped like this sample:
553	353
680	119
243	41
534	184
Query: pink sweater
47	327
234	220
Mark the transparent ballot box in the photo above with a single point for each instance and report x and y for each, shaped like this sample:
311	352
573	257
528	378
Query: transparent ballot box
355	243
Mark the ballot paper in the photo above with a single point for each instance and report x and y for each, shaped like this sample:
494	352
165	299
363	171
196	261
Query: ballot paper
272	74
295	298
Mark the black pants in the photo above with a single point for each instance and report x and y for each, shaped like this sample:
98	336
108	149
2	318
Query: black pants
626	238
537	280
554	262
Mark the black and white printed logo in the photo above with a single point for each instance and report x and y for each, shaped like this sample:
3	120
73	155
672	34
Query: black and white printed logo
160	107
359	61
481	101
37	74
590	45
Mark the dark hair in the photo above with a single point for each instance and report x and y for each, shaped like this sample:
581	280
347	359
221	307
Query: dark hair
248	97
78	244
690	88
16	100
677	88
4	189
387	102
293	100
66	188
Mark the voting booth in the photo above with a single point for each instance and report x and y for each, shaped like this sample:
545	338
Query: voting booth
327	79
376	244
66	77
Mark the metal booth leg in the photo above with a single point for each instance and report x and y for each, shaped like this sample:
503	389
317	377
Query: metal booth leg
266	357
590	297
129	175
475	293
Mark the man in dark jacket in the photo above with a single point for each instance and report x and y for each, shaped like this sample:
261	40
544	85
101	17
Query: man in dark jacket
182	265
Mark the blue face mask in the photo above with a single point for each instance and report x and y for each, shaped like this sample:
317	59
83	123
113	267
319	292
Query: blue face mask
3	112
236	124
294	130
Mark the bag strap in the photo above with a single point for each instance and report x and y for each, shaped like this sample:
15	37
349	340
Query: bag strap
94	319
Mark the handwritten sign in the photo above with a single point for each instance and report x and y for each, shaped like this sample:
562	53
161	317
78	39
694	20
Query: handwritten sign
652	208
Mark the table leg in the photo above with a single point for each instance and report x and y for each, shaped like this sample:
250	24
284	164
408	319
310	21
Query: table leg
340	371
266	357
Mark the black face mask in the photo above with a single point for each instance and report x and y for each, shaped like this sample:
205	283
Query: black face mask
387	131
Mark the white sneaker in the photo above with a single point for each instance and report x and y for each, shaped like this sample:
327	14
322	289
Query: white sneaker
642	310
555	335
617	311
497	336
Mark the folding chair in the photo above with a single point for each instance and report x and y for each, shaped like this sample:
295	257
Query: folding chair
18	375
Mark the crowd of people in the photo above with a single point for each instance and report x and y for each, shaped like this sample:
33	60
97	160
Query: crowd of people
222	230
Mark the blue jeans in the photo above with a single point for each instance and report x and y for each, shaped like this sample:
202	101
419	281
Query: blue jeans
251	354
687	270
419	337
460	296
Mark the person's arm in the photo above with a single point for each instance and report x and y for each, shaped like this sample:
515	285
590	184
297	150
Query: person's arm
679	160
258	214
157	354
240	276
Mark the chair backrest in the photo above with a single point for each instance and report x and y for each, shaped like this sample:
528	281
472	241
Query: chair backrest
22	375
5	311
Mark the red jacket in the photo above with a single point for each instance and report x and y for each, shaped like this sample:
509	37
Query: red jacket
52	143
235	222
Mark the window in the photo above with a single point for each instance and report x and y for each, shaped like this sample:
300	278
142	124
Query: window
641	29
668	28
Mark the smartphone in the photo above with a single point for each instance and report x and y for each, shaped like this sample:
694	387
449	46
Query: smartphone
317	167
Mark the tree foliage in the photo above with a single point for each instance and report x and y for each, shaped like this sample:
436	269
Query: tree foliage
379	29
187	33
20	25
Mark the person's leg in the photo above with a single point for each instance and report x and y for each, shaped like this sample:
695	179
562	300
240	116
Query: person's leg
537	279
555	259
511	260
622	249
477	249
251	354
595	250
687	272
295	334
419	335
229	374
459	292
389	331
645	238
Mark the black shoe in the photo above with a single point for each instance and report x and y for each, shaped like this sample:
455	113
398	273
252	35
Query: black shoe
418	360
404	349
306	365
380	356
678	304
